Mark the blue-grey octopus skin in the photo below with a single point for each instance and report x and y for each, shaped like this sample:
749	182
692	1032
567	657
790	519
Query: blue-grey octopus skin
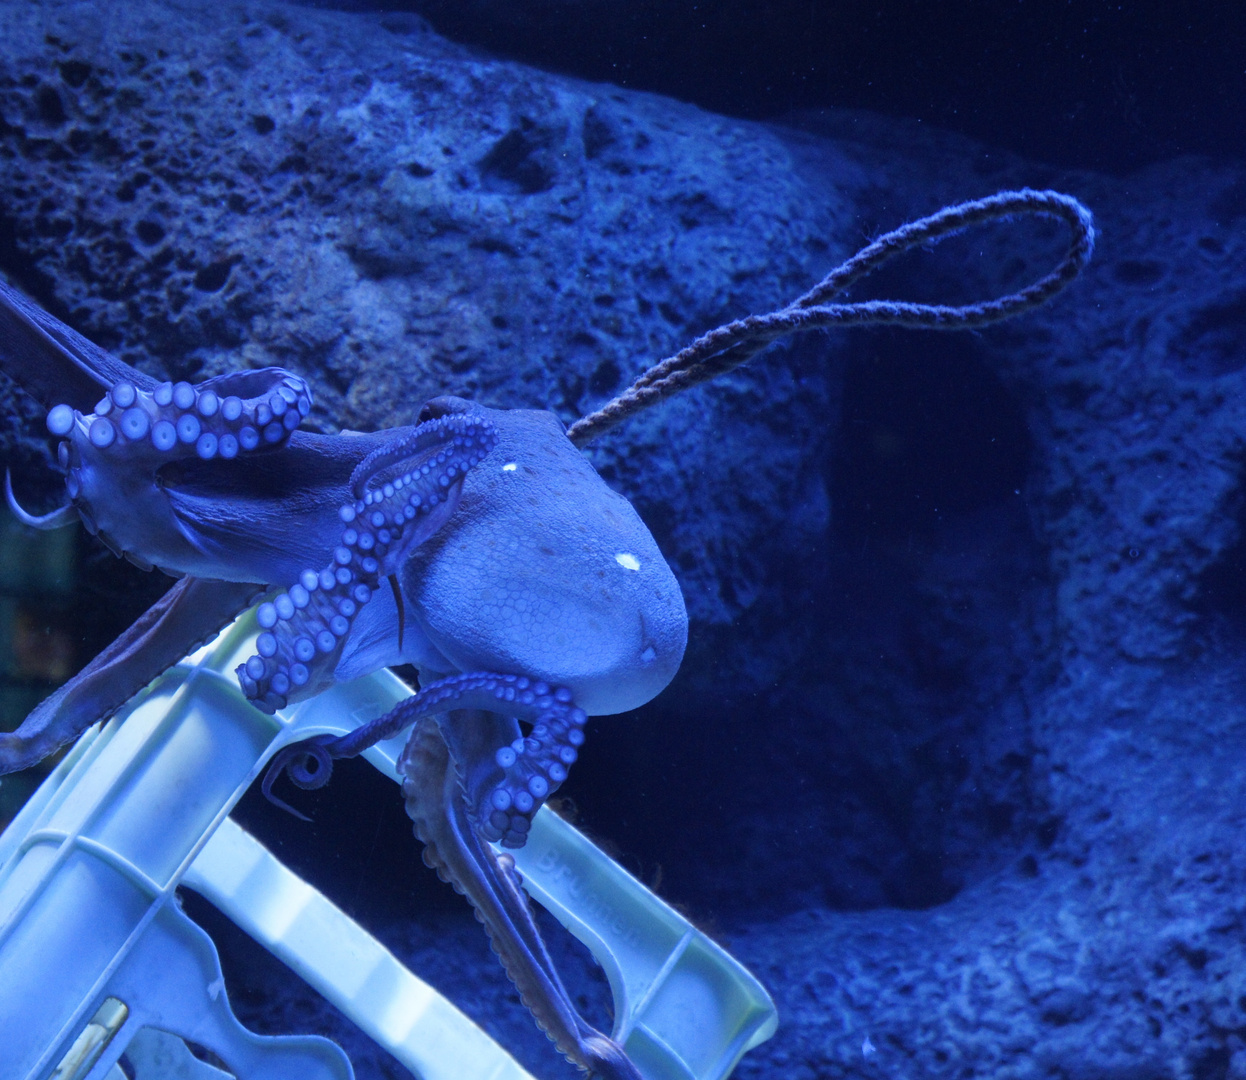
519	585
454	848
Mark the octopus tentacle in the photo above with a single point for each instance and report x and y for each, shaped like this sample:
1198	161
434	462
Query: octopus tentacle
221	416
534	767
460	765
113	456
304	630
517	775
55	519
405	491
186	616
308	764
435	803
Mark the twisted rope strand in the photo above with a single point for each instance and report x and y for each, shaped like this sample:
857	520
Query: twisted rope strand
730	345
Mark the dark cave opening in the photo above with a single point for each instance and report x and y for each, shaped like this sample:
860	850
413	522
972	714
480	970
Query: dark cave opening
937	583
1222	588
1221	594
927	432
890	766
1084	83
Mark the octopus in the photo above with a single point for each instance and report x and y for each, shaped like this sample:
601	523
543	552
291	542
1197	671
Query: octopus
478	545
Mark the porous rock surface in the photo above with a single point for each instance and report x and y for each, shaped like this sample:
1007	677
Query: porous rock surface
199	187
1116	945
954	762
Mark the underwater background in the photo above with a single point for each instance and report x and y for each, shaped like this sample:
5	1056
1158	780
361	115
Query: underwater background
954	761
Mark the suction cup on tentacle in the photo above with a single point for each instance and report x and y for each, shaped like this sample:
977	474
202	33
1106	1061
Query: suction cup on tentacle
405	491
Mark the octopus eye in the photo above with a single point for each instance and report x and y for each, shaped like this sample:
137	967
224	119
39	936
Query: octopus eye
445	405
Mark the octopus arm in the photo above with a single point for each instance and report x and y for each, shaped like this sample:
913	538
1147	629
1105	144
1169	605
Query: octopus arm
471	777
187	615
435	797
266	517
52	362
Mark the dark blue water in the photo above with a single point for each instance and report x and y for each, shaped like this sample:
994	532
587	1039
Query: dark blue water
1084	83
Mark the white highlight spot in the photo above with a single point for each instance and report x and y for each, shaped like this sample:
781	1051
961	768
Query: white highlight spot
867	1047
628	562
510	466
649	655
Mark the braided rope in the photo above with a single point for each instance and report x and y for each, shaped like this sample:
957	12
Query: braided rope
730	345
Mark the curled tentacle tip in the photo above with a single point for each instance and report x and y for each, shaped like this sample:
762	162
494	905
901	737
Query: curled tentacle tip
302	773
270	777
281	804
66	515
297	761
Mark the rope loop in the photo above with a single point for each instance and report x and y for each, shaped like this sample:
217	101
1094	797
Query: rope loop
730	345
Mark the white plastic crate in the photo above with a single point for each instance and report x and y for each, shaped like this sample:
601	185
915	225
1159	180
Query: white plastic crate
97	960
